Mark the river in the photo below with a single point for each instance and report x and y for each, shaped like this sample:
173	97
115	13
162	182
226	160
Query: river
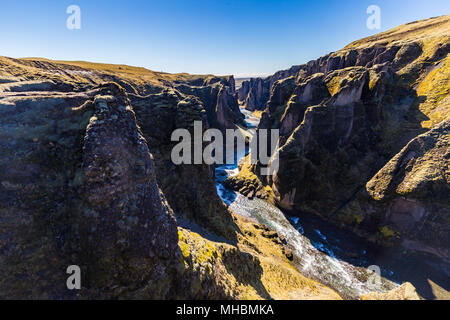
348	264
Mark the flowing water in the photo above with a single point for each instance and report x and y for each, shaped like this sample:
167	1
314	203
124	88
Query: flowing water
345	262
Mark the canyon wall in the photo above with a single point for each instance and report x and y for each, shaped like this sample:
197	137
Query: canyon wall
364	138
86	179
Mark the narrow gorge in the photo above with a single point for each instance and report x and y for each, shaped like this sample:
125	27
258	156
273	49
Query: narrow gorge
358	209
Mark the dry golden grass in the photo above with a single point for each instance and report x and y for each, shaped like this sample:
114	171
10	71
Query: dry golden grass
405	292
125	71
279	278
413	31
78	73
435	86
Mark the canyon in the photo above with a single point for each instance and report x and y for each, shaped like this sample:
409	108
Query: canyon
87	179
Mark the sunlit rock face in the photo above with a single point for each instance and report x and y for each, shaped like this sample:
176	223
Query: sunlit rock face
343	117
404	292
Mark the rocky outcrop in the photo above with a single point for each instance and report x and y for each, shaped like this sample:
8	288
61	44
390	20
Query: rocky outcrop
405	292
254	93
216	93
189	188
80	188
80	185
86	176
258	268
309	151
87	179
227	110
364	53
41	157
344	116
311	91
412	193
258	94
226	81
243	91
23	86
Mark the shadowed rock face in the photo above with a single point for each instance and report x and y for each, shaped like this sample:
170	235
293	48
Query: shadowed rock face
42	139
216	93
80	185
79	188
344	116
255	93
190	189
412	191
82	164
132	227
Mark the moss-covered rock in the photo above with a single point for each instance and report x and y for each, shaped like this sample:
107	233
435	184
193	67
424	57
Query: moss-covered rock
346	115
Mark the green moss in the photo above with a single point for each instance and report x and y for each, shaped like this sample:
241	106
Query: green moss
387	232
196	250
183	246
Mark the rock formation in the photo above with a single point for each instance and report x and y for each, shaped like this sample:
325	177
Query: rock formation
195	198
350	114
221	106
411	193
86	179
405	292
79	188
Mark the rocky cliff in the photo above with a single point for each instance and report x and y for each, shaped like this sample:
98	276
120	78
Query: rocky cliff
254	93
35	74
86	179
364	139
79	187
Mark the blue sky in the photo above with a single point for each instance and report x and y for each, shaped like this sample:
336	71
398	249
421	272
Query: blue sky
246	37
